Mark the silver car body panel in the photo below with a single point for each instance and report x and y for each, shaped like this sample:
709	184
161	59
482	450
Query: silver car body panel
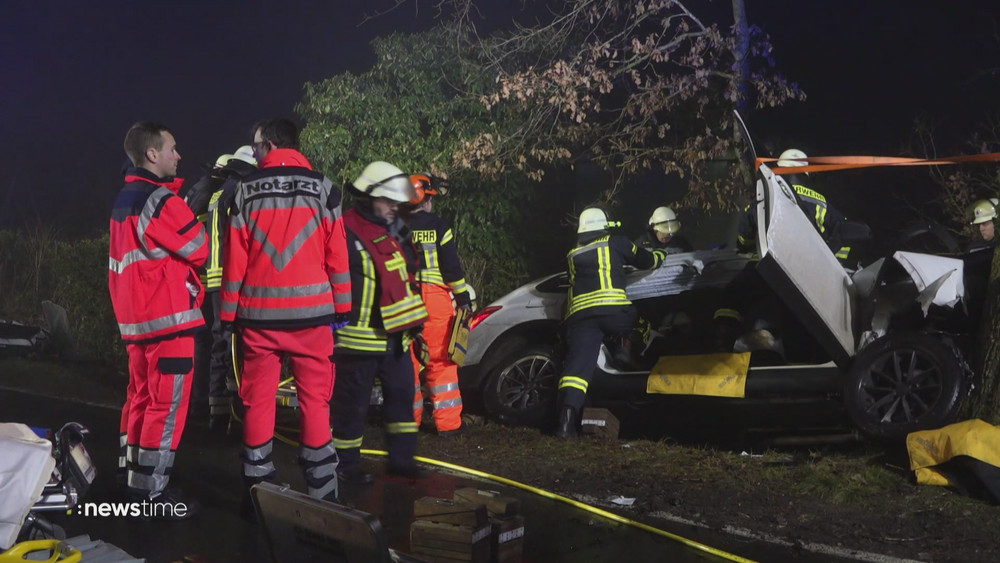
797	263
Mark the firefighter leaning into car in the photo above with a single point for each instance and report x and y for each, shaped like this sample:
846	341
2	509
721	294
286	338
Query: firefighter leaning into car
441	277
156	246
386	313
597	306
826	218
210	198
285	279
663	233
751	305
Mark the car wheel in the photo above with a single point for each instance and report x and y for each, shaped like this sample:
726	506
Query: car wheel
903	383
521	389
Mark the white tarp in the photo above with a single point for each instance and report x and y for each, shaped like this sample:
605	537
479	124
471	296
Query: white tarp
26	464
938	279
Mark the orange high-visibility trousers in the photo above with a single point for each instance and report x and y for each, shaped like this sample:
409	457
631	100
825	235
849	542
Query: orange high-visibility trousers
440	374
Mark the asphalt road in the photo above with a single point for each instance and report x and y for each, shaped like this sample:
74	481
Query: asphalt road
208	468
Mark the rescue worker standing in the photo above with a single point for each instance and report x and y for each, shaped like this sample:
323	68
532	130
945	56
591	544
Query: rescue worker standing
441	277
284	281
984	218
156	246
826	218
663	233
213	372
597	306
748	295
386	311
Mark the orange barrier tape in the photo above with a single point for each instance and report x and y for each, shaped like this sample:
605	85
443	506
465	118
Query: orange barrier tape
830	163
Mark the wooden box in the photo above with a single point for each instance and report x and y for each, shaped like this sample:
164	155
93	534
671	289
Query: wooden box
450	511
440	541
599	422
507	539
496	505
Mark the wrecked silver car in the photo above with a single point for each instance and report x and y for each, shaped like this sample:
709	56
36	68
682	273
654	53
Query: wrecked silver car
890	339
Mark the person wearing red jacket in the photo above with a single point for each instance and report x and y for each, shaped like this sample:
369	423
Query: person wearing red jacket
441	277
156	246
285	281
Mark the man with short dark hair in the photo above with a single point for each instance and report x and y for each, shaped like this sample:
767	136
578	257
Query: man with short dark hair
156	246
285	281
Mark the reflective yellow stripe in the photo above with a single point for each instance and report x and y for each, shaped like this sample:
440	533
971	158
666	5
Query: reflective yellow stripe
573	383
401	427
347	444
610	297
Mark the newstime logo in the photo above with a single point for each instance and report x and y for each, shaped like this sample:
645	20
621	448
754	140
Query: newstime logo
139	509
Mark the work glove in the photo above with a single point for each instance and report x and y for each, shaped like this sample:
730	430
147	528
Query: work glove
463	300
340	320
413	339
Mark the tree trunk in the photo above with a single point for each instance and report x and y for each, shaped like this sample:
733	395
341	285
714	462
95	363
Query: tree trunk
985	400
742	56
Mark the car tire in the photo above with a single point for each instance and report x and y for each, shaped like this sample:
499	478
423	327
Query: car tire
521	388
902	383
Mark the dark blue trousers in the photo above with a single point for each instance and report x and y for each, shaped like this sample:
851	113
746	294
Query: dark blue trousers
584	332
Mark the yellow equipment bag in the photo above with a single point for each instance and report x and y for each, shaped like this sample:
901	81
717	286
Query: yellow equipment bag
964	455
459	341
715	375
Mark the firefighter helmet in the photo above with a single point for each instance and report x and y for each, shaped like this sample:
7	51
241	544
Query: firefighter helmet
665	221
594	219
984	210
222	160
793	157
425	185
381	179
245	153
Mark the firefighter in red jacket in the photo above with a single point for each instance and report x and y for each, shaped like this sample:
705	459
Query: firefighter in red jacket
284	282
387	311
156	247
440	277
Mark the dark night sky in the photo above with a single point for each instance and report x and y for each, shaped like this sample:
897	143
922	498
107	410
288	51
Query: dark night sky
76	74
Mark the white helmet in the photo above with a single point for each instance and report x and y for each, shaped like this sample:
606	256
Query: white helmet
984	210
665	221
245	153
594	219
222	160
381	179
788	157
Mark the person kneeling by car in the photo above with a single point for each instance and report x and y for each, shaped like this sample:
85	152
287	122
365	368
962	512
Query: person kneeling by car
597	306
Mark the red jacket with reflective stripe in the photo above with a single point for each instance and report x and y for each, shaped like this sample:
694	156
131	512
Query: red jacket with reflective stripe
286	257
156	246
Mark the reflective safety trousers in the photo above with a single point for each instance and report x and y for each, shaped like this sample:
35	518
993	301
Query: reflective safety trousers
441	374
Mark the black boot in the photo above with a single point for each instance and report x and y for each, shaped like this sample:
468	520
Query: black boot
567	423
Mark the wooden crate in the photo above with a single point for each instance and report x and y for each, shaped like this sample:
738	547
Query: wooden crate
440	542
450	511
599	422
496	504
507	539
